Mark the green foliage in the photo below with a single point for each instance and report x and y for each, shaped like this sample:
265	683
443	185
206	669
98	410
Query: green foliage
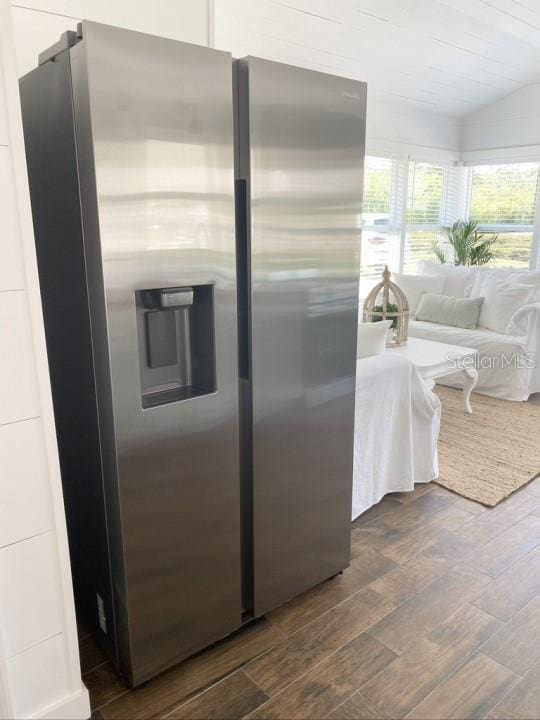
439	252
392	308
425	193
377	191
504	194
513	249
464	245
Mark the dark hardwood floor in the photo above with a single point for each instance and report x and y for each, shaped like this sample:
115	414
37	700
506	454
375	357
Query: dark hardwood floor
438	616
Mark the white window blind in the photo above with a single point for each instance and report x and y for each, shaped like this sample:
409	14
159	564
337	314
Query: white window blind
378	184
425	194
405	205
504	194
426	211
380	220
503	201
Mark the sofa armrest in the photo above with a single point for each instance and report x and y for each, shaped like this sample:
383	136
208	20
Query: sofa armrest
525	322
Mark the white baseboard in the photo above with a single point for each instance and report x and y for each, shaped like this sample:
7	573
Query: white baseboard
74	707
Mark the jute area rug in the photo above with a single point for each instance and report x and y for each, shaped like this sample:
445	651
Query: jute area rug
490	454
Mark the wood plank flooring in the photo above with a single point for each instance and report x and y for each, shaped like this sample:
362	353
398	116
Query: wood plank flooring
437	617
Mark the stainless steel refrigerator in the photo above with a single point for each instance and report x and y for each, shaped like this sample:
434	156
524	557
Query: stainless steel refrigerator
129	141
299	174
203	380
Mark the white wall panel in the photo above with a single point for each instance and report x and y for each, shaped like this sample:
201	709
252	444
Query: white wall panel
38	24
38	678
11	266
34	32
399	130
3	116
25	509
18	389
511	122
180	19
30	599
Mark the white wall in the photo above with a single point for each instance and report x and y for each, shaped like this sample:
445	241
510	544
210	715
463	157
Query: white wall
400	130
39	23
506	129
39	663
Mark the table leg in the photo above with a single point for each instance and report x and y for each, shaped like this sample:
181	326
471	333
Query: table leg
471	378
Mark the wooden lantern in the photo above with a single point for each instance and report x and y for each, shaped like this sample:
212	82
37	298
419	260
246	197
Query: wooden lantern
388	302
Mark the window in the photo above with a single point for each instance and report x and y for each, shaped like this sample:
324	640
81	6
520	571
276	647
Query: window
426	211
378	176
400	227
425	194
503	201
380	234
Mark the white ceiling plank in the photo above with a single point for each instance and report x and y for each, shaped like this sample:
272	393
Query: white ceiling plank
439	54
503	17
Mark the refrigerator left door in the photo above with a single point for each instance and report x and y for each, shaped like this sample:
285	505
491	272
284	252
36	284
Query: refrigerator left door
154	140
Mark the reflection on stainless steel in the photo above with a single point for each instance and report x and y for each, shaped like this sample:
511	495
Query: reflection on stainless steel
152	129
301	157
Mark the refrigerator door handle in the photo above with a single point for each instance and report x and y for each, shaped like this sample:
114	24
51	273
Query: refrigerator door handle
243	279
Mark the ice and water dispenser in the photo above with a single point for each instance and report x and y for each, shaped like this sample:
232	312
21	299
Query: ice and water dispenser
177	355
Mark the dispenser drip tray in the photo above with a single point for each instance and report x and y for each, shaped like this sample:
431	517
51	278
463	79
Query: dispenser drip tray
162	397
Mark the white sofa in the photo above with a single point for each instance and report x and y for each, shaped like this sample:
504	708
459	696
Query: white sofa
509	361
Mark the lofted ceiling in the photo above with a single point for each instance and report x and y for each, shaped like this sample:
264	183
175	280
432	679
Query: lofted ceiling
444	56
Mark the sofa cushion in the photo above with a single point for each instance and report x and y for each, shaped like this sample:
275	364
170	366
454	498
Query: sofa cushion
458	280
415	285
446	310
479	338
502	298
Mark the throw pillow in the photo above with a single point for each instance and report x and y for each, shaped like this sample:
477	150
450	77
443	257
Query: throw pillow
515	275
372	338
501	300
447	310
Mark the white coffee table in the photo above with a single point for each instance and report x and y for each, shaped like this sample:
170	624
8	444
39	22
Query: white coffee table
434	360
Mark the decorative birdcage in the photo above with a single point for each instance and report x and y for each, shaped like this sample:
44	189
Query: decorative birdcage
388	302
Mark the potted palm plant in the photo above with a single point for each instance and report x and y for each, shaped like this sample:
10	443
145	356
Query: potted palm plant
464	244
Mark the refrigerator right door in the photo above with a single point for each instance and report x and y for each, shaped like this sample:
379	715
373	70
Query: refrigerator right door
304	176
